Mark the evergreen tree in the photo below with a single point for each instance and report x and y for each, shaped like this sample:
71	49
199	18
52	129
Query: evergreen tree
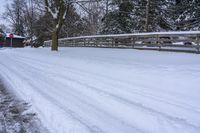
186	15
138	16
120	19
158	15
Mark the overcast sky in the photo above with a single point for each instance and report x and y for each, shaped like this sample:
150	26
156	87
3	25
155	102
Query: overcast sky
2	9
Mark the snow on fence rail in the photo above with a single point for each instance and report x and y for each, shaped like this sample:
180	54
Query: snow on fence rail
186	41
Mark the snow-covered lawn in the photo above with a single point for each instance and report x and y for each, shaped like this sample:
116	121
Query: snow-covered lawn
88	90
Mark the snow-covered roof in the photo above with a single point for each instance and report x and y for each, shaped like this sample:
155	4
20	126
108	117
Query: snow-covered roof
15	36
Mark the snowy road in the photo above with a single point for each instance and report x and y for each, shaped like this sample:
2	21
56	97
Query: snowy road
15	116
87	90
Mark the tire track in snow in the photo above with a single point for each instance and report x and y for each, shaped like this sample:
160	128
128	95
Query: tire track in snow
92	128
122	82
52	100
92	88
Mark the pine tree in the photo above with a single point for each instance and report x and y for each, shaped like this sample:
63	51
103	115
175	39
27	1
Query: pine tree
186	15
120	19
138	16
158	15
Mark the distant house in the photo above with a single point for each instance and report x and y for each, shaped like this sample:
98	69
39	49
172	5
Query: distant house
17	41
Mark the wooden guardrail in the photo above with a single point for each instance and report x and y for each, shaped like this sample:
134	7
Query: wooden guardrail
187	41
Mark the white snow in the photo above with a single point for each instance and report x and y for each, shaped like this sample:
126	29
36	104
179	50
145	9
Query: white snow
182	33
54	14
88	90
15	36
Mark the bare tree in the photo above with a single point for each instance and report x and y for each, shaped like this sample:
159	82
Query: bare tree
5	28
58	10
14	14
94	12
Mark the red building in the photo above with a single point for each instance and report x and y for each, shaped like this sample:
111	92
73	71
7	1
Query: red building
17	41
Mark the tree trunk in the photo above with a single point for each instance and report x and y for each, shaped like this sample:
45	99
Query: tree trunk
54	46
146	28
61	8
107	2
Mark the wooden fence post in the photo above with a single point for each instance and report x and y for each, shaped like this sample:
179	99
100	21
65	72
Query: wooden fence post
96	42
66	43
71	44
84	42
133	42
112	42
74	43
158	42
198	44
88	42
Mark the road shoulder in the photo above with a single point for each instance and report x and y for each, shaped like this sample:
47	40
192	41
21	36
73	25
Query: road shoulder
15	116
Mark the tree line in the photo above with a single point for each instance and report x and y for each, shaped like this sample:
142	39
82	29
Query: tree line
53	19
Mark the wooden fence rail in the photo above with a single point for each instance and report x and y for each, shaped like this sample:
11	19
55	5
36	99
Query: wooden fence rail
187	41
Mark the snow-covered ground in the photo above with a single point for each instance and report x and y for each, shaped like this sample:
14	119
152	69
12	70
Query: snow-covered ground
15	116
88	90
